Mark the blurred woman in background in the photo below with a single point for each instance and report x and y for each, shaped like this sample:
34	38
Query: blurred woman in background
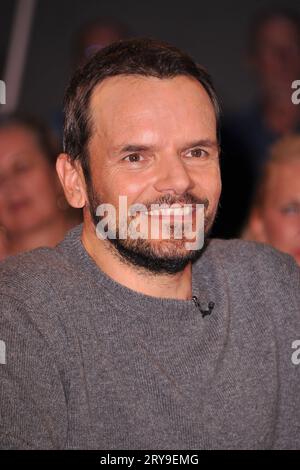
33	208
275	214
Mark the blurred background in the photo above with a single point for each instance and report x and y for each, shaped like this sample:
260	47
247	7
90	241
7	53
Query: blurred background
214	32
250	48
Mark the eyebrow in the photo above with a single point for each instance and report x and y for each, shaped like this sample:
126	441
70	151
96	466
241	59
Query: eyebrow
208	143
134	148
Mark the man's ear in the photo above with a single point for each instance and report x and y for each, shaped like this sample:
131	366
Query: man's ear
256	226
72	180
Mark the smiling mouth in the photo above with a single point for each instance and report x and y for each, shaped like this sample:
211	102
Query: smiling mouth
176	212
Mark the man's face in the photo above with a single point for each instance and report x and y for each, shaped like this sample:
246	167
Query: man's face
154	141
280	213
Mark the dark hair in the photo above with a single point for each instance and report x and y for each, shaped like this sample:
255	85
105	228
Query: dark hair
264	16
46	139
145	57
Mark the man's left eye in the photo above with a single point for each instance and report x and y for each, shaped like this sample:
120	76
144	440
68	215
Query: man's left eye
133	158
197	153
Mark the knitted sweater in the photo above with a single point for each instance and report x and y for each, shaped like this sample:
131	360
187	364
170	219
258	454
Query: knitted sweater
87	363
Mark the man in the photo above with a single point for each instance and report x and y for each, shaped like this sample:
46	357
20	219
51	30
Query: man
144	343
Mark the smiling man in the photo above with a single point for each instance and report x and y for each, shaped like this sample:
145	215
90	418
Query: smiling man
141	342
153	151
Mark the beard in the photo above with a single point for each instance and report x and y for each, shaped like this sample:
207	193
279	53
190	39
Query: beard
154	256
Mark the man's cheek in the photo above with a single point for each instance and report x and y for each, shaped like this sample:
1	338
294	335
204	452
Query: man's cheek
214	193
124	186
213	182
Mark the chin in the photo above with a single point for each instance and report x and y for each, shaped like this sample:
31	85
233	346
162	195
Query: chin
160	256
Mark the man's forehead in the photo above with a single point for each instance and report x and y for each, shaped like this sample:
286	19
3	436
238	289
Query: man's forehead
125	88
134	101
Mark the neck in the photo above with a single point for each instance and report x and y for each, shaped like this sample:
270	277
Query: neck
47	234
176	286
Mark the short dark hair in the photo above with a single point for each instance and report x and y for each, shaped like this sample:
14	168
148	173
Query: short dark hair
146	57
45	138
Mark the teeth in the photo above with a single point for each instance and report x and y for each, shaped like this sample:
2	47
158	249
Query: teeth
178	211
187	210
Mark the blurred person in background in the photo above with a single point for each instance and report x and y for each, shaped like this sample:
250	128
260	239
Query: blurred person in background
89	39
96	35
274	60
275	214
33	208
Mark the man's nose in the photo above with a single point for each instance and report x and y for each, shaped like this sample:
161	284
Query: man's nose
173	176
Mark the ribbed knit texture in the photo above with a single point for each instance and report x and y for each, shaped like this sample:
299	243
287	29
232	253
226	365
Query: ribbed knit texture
92	364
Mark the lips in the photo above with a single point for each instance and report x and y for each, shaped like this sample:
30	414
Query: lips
18	205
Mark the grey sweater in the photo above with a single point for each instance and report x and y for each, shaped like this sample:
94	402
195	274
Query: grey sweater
87	363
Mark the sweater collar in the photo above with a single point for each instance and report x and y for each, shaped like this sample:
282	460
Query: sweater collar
72	247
